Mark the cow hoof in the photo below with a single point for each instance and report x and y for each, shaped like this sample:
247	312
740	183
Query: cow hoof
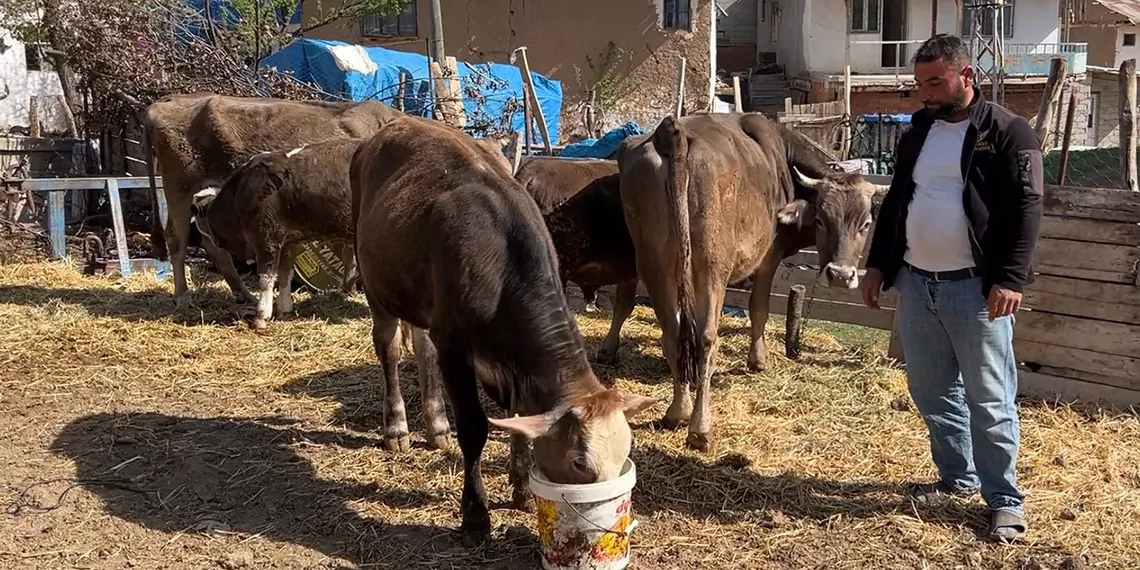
441	442
702	442
474	535
606	357
757	366
673	423
260	324
591	308
398	444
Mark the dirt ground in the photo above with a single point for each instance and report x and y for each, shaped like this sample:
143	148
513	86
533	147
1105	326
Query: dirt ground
134	437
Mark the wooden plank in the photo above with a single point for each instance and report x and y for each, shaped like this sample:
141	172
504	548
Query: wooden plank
1107	369
1076	332
92	183
56	226
1097	231
120	229
1104	262
1070	389
820	310
1089	299
1093	203
786	277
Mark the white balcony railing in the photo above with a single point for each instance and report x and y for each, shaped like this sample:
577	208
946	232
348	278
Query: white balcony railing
891	58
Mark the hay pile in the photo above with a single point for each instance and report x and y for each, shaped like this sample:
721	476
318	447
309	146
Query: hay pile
200	441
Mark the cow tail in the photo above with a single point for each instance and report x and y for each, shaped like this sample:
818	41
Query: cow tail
157	231
672	143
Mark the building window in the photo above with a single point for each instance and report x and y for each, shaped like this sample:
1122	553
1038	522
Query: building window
402	24
35	59
988	20
865	16
676	15
1129	39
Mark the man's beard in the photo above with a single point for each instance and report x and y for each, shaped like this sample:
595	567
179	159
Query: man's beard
948	109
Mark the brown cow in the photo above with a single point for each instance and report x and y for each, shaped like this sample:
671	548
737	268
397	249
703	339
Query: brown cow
703	197
275	201
447	240
581	204
200	138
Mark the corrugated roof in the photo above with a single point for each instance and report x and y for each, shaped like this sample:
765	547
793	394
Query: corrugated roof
1128	8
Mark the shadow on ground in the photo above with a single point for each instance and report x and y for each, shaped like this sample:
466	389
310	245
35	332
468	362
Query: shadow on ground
176	474
212	306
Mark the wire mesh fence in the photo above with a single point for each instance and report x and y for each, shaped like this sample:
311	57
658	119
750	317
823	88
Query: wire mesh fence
874	139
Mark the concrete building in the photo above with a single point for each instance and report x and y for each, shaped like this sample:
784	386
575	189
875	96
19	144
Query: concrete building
627	53
27	76
877	39
1109	27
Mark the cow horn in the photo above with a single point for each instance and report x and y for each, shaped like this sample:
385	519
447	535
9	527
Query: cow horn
805	180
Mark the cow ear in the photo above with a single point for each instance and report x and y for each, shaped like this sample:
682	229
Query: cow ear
798	214
633	404
531	427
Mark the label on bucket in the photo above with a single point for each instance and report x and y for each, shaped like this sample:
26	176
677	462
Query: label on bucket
320	264
591	536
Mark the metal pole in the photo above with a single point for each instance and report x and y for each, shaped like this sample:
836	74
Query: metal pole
436	44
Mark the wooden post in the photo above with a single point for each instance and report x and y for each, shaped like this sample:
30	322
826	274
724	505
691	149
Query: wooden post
738	104
112	187
794	322
680	90
1068	134
1049	99
515	150
526	123
524	66
455	93
401	92
1127	80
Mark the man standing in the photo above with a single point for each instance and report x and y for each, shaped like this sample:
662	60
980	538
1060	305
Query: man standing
956	235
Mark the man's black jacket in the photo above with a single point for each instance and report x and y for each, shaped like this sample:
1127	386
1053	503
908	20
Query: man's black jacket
1001	164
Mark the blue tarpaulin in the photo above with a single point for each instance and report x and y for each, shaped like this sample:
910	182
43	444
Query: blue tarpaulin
358	73
604	147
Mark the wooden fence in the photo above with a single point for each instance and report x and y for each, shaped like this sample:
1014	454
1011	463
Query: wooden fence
1077	336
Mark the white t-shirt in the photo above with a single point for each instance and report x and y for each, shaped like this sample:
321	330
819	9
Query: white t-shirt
937	229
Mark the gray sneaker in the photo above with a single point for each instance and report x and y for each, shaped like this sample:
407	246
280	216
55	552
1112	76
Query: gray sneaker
936	494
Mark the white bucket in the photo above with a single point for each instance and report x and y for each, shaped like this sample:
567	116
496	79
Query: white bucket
585	526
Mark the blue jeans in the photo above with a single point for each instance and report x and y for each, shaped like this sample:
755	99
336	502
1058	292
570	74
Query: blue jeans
962	376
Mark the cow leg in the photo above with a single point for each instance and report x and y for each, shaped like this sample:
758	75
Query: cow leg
437	430
758	314
268	262
662	289
350	273
285	283
226	267
624	299
471	427
709	307
386	342
590	296
177	234
519	473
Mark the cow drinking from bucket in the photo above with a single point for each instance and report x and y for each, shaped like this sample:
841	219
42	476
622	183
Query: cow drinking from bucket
200	138
712	199
275	201
581	204
448	241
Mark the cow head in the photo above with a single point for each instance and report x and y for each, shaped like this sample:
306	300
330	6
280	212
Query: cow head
839	207
200	208
585	441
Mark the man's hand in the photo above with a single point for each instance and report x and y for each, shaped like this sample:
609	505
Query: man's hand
1002	302
872	283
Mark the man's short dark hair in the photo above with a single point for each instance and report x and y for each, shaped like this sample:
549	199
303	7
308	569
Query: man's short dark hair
944	47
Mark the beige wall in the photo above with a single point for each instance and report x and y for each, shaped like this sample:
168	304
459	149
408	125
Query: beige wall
1098	27
569	40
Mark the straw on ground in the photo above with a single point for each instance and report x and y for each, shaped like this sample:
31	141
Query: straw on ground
132	435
